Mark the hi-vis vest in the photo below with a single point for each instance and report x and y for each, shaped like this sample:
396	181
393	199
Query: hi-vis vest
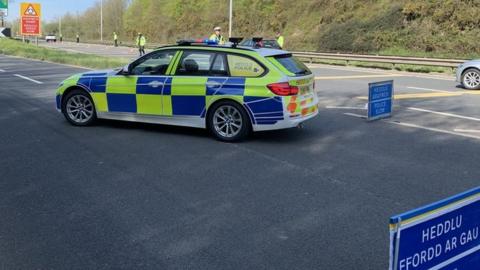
219	39
141	41
281	41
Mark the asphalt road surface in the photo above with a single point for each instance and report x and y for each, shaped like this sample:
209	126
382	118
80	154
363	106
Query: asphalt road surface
136	196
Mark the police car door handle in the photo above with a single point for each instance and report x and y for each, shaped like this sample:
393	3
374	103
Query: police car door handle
155	84
213	84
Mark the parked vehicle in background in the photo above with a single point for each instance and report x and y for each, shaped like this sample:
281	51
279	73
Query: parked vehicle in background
51	38
260	43
468	74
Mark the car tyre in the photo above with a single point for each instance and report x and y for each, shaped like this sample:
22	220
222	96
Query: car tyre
78	108
471	79
228	121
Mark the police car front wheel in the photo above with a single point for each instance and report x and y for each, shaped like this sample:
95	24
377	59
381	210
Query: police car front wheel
78	108
228	121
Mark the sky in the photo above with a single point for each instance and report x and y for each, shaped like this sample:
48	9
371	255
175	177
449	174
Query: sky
51	9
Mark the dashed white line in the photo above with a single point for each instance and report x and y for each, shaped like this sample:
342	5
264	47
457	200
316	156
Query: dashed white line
1	70
28	79
444	114
429	89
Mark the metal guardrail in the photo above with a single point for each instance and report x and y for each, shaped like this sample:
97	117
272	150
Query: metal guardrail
311	56
393	60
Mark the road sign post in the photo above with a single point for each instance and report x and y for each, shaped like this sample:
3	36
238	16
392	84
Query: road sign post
443	235
380	100
230	15
30	16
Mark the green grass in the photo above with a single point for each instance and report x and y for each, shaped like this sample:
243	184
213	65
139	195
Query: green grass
17	48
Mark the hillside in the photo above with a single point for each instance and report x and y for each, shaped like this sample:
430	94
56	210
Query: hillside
421	27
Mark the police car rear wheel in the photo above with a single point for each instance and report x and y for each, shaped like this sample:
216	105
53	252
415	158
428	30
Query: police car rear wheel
78	108
229	121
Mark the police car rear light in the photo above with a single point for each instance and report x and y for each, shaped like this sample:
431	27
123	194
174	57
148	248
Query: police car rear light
283	89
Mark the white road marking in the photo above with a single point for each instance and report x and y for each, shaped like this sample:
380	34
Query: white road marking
355	115
467	130
1	70
363	70
429	89
56	75
452	79
28	79
357	76
444	114
410	125
434	129
345	108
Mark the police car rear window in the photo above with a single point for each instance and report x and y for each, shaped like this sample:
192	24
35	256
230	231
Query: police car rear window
292	64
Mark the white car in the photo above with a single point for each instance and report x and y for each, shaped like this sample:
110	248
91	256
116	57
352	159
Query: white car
468	74
51	38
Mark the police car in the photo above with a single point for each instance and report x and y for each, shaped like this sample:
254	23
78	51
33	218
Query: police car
230	90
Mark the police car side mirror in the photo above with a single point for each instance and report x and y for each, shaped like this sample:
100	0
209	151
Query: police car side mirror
126	70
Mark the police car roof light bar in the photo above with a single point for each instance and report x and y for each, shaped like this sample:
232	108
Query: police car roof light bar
184	42
235	41
188	42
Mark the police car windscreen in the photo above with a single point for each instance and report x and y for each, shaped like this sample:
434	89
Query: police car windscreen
292	64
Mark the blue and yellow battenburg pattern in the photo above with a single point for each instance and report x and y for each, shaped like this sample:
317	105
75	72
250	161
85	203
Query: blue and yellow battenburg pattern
186	96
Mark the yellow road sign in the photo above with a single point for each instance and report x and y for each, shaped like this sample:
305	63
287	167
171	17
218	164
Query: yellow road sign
30	9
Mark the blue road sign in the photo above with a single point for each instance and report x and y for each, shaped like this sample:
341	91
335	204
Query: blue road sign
380	96
443	235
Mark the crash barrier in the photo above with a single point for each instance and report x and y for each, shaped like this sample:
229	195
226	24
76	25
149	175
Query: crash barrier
311	57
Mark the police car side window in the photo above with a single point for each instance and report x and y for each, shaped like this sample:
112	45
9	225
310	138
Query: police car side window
241	66
195	63
154	64
219	67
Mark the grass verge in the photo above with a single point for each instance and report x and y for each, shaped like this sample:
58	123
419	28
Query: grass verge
17	48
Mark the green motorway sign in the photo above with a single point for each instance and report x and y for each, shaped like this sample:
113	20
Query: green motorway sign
3	4
3	8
